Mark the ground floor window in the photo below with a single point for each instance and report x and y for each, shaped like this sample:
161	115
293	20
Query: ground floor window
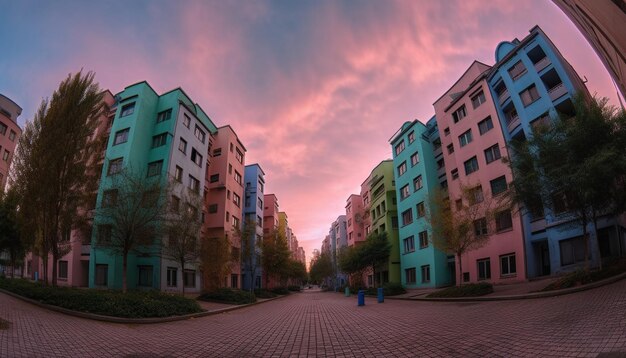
507	265
572	250
144	277
410	275
484	269
102	275
425	273
466	276
63	269
257	283
29	267
189	278
172	277
234	281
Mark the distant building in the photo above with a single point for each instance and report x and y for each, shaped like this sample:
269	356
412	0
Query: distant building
10	132
355	220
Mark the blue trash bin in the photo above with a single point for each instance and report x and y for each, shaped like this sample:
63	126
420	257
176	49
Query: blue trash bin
361	298
381	298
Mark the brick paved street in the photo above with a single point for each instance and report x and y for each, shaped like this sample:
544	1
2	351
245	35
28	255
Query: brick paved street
326	324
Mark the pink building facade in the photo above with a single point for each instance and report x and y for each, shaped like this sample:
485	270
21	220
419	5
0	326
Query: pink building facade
355	220
473	145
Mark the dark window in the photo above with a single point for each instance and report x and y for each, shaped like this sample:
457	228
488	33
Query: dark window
63	269
199	133
478	99
425	273
102	275
498	185
485	125
459	114
407	217
492	153
212	208
503	220
410	275
121	136
214	178
471	165
164	116
450	148
159	140
572	250
417	183
182	146
154	168
484	269
172	277
128	109
115	166
196	157
480	227
409	244
144	276
507	265
529	95
517	70
454	173
423	239
186	121
411	137
421	210
178	174
405	192
109	198
189	278
399	147
402	168
465	138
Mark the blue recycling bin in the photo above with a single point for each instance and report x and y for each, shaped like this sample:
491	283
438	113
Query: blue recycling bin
36	276
361	298
381	297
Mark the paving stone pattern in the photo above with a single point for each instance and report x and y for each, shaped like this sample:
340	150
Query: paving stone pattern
316	324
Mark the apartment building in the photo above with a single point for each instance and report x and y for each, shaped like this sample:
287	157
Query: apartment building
254	177
354	220
10	132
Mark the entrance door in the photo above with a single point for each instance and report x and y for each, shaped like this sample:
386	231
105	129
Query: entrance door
544	254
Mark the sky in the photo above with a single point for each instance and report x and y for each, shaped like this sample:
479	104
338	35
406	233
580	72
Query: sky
314	89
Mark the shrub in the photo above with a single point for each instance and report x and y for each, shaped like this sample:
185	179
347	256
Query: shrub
133	304
389	289
280	291
228	295
264	294
467	290
582	277
294	288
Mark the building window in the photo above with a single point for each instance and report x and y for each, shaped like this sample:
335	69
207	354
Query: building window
492	153
238	178
154	168
186	121
182	146
446	131
507	265
421	210
475	195
409	244
196	157
12	135
484	269
503	220
3	128
199	133
159	140
5	156
164	116
189	278
423	239
405	192
465	138
572	250
214	178
471	165
237	200
401	168
399	147
498	185
102	275
410	275
517	70
109	198
417	183
459	114
212	208
425	273
194	184
128	109
415	158
450	148
478	99
259	203
529	95
454	173
121	136
175	203
485	125
407	217
178	174
144	275
217	152
172	276
115	166
235	220
411	137
63	270
480	227
239	156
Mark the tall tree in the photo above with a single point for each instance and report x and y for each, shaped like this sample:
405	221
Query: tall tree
575	164
250	248
464	227
59	173
321	267
10	241
216	261
182	225
375	252
275	255
132	212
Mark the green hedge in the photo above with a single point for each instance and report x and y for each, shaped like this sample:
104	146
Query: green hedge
582	277
264	294
294	288
467	290
389	289
280	290
228	295
133	304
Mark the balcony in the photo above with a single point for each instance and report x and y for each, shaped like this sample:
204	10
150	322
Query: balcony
537	225
557	91
541	64
85	250
441	171
512	122
437	151
503	96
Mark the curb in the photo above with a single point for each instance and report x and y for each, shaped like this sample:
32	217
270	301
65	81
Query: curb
112	319
525	296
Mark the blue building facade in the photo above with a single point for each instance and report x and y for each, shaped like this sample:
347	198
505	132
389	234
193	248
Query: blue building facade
339	239
532	84
419	172
251	270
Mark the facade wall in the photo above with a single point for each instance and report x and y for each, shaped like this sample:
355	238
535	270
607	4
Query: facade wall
422	265
354	220
10	132
253	211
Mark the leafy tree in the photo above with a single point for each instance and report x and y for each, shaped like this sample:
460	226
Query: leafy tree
465	227
297	271
275	255
55	180
375	252
348	260
577	161
216	261
321	267
182	225
10	240
250	247
131	212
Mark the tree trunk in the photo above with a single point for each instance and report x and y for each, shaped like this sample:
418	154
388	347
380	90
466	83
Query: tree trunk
374	274
595	228
182	268
124	264
55	259
45	269
460	270
586	240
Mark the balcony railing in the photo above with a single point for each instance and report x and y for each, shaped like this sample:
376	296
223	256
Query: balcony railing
503	96
557	91
541	64
512	123
441	171
437	151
